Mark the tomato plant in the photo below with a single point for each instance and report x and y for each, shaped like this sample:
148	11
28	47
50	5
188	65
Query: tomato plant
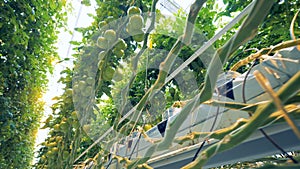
28	32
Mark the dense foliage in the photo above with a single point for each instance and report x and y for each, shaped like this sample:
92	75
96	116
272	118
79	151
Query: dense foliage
93	102
28	32
281	15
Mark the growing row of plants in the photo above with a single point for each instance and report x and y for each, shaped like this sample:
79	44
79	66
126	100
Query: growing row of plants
28	33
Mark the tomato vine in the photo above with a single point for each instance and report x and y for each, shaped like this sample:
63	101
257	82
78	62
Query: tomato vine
28	32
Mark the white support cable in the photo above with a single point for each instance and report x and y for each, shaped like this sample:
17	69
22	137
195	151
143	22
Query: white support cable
75	25
170	5
181	67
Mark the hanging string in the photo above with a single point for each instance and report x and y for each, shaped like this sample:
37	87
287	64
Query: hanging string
211	129
148	114
110	161
137	142
146	71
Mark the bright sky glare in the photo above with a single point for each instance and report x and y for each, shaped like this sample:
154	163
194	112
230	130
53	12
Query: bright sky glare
64	51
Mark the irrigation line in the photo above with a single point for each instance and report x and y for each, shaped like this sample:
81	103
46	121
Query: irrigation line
110	161
134	147
181	67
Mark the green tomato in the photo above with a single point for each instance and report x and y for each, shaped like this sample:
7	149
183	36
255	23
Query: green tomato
121	44
52	144
90	80
102	42
56	127
136	22
82	85
65	154
188	76
87	91
69	92
52	139
108	73
86	127
74	115
118	76
76	99
49	153
134	10
138	37
64	126
103	25
54	149
118	52
101	55
91	72
110	35
130	30
43	158
58	138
